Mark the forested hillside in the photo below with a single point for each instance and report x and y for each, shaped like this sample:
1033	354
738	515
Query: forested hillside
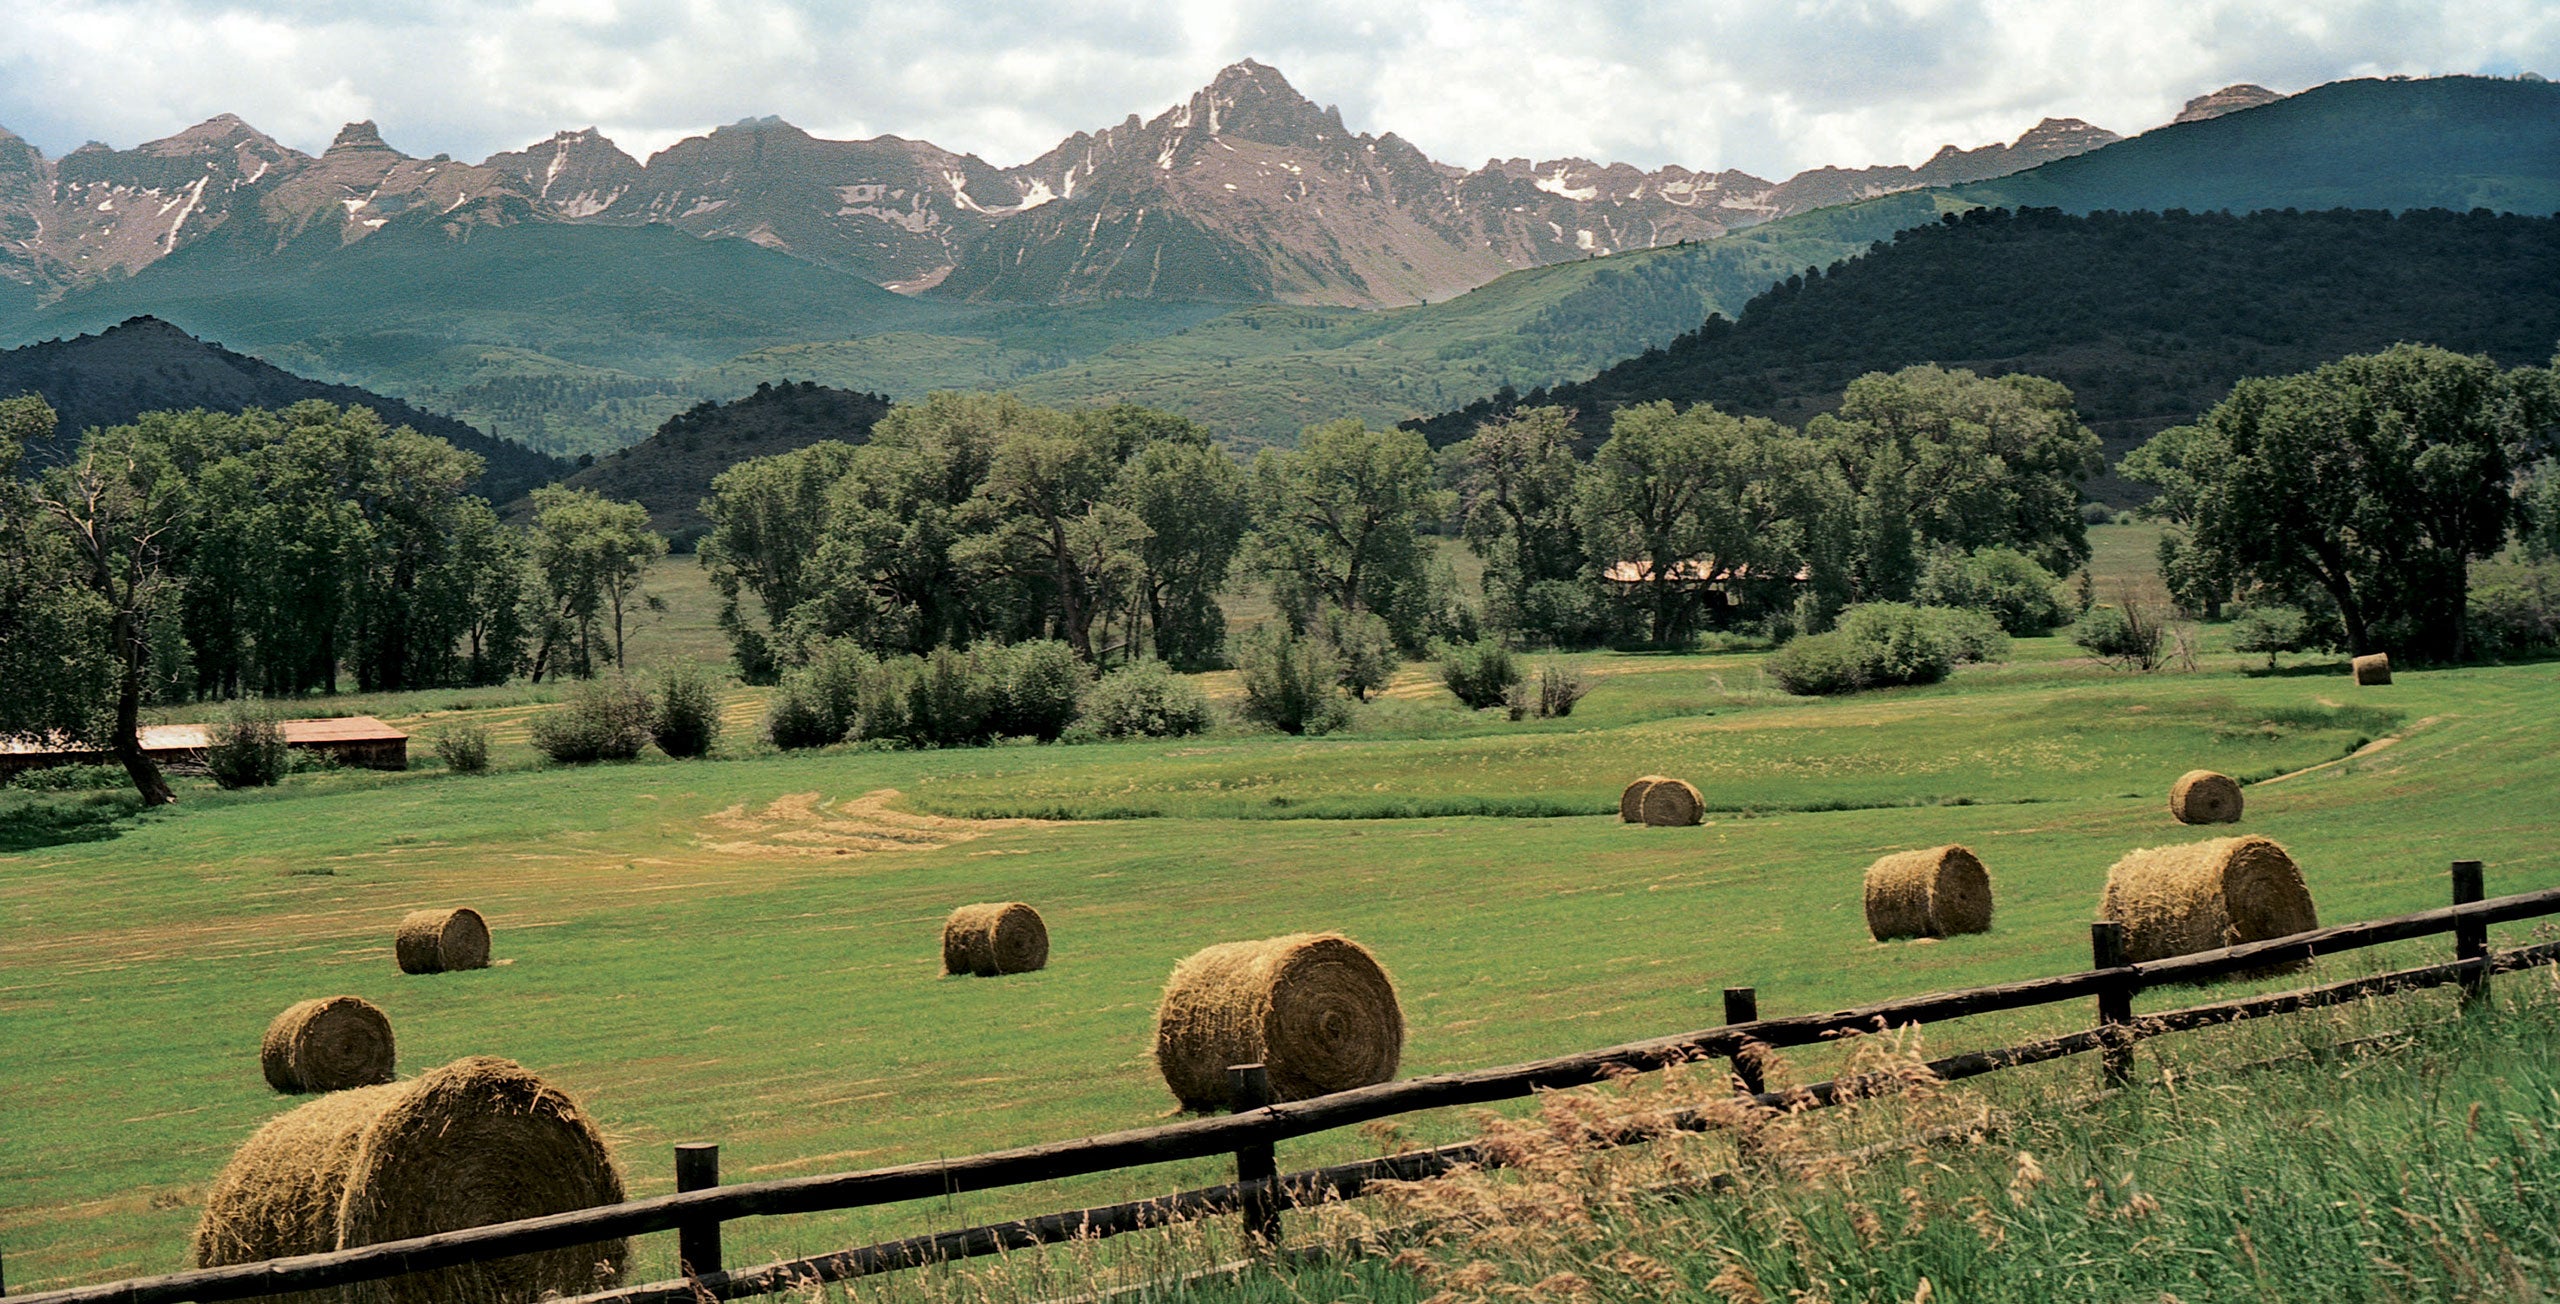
670	472
2149	318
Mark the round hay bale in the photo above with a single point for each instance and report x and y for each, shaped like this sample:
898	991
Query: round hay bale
2203	896
993	938
1314	1009
442	941
329	1044
2372	669
2204	797
1939	892
1673	803
477	1141
1631	802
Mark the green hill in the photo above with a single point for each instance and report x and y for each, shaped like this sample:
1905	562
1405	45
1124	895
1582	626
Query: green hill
670	472
2149	318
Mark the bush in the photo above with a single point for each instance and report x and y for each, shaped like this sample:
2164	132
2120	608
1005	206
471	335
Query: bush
464	748
1145	699
1975	636
1882	645
73	778
818	703
2097	514
2515	612
1480	673
1033	687
1364	650
1290	683
1560	685
2024	597
949	701
2128	635
687	720
2270	630
247	749
602	720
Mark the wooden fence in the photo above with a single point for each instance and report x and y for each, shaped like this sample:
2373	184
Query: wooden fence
700	1205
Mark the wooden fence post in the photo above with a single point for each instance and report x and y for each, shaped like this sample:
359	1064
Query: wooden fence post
1742	1005
1249	1088
2115	1001
2470	936
698	1243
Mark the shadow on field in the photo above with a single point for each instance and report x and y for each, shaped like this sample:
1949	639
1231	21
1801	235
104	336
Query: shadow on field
29	822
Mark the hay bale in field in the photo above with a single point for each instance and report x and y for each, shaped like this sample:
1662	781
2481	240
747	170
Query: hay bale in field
477	1141
2204	797
994	938
1631	802
2202	896
1673	803
2372	669
329	1044
1315	1009
1939	892
442	941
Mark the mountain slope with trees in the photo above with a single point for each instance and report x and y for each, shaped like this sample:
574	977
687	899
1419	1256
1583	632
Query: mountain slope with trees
2148	318
670	472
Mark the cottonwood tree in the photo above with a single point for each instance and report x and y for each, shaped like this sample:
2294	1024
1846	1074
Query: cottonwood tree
1191	497
1043	518
1338	521
1681	495
2372	482
1516	479
591	557
767	515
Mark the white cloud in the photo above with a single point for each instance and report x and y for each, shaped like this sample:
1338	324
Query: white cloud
1769	87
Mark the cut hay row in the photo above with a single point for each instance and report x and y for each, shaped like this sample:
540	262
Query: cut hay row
477	1141
994	938
1317	1011
329	1044
1940	892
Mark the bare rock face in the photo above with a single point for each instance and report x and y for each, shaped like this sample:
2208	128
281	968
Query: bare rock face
1245	191
2230	99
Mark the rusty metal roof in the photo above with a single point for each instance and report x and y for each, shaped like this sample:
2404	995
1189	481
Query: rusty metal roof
197	737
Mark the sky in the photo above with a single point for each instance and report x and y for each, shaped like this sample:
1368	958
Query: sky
1771	88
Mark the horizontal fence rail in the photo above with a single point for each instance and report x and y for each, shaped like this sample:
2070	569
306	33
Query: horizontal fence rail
1270	1124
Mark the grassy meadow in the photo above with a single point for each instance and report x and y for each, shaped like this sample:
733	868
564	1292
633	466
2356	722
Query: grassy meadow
746	949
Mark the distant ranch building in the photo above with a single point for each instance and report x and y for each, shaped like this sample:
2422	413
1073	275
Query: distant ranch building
1727	585
357	740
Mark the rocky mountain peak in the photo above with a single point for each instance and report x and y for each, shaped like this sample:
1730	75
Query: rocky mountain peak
1252	101
358	137
2230	99
2064	135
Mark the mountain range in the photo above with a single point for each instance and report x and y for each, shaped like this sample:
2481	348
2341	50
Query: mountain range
1247	191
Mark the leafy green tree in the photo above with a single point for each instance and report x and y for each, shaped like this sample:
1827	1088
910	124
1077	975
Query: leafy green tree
590	557
1191	497
767	517
893	520
57	668
2371	483
1364	649
1338	521
1043	517
1678	499
1516	490
1930	458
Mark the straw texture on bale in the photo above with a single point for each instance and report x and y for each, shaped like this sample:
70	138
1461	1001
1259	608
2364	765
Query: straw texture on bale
1631	802
1672	803
329	1044
2204	797
1939	892
442	941
993	938
1315	1010
2372	669
477	1141
2202	896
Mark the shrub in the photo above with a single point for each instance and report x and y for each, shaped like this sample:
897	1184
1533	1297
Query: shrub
1480	673
687	720
2097	514
1816	665
949	701
2270	630
1974	636
1560	685
2516	611
1034	688
247	749
1364	650
2128	635
602	720
73	778
818	702
1290	683
1145	699
2024	597
464	748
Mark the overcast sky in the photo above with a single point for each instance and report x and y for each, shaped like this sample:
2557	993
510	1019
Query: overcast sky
1768	87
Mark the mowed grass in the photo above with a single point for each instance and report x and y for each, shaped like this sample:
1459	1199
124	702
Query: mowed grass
723	950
